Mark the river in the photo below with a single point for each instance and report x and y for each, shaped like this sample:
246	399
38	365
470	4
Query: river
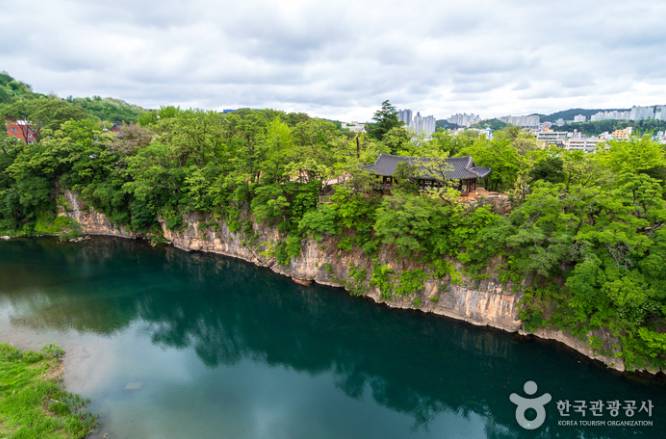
168	344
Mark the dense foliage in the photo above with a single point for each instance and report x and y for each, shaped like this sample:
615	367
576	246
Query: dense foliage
18	101
584	240
11	88
113	110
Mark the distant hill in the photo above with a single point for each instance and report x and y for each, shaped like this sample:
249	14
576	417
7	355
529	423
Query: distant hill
111	109
11	88
107	109
446	125
493	124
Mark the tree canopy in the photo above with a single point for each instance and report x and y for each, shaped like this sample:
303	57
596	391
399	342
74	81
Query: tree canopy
384	120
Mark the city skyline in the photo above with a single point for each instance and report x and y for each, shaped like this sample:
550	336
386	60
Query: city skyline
632	113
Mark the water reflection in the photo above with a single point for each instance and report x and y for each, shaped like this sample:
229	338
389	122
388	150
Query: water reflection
439	373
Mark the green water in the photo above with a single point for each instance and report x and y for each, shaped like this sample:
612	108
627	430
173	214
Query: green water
168	344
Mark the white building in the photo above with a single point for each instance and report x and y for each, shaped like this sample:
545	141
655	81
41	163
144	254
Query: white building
587	144
530	121
641	113
424	126
610	115
637	113
579	118
356	127
420	125
464	119
558	138
660	137
405	116
660	112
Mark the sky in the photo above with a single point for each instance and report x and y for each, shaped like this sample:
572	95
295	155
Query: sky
340	59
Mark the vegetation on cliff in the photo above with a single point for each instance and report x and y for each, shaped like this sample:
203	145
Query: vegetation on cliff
584	240
32	401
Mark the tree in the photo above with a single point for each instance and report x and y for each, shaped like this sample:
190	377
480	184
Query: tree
635	154
444	141
277	151
501	156
385	119
397	139
549	168
129	138
108	109
46	112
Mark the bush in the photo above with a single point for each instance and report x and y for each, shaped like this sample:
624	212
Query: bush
410	282
359	278
381	278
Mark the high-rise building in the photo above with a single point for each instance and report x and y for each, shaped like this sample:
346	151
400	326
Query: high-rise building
464	119
660	112
529	121
637	113
420	125
424	126
579	118
405	116
610	115
641	113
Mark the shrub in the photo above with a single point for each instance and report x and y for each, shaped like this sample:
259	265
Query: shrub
410	282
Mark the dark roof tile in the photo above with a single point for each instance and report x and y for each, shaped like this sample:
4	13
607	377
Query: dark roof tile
456	167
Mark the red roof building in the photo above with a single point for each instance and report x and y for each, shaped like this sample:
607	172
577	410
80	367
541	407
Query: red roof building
22	130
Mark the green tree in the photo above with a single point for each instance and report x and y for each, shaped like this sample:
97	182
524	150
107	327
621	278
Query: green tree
398	140
385	119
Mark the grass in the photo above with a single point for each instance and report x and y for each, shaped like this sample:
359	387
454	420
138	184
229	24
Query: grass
59	225
33	403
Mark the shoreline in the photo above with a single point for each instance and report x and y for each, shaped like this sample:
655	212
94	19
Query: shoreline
543	334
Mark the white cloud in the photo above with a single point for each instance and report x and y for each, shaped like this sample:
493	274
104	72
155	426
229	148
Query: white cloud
341	59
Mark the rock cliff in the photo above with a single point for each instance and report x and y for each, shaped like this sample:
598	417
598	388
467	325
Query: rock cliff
480	303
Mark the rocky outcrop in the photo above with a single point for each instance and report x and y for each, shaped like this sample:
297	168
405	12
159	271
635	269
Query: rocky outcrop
91	221
484	303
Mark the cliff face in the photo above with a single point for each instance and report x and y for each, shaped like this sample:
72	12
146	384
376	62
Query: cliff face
486	304
91	221
483	303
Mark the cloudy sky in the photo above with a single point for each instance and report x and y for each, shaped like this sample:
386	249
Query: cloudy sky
340	58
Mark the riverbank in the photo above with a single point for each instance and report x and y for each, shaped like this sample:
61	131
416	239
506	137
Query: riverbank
482	303
33	403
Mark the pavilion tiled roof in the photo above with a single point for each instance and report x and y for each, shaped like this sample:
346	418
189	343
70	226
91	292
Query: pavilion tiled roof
461	168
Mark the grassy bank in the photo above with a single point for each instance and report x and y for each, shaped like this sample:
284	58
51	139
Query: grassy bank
33	403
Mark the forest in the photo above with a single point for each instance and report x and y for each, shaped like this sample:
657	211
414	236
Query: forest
584	242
